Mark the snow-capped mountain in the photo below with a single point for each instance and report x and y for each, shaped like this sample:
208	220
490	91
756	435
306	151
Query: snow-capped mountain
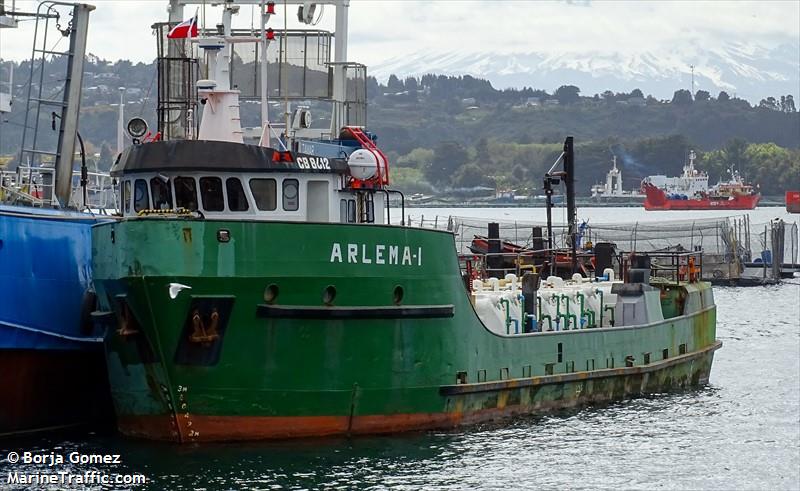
750	72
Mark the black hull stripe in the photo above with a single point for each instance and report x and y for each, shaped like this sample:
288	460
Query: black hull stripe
361	312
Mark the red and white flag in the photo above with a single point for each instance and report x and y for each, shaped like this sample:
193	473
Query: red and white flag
186	29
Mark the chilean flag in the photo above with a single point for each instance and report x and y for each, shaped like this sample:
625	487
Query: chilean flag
186	29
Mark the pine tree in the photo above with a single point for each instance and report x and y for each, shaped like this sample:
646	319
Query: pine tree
395	84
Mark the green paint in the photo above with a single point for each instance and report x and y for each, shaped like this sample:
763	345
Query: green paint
568	314
588	314
296	367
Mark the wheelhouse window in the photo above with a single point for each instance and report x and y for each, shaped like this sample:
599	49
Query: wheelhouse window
126	196
265	192
185	193
291	194
237	200
211	194
162	193
141	198
347	211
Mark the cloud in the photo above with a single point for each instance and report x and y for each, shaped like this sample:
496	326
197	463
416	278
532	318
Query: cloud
380	30
519	27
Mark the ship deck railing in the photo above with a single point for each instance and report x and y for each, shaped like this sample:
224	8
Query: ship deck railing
727	242
523	261
672	266
11	194
34	186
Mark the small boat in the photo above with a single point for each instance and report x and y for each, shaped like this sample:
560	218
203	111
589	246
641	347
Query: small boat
611	191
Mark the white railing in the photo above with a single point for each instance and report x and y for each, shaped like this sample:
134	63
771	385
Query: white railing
34	186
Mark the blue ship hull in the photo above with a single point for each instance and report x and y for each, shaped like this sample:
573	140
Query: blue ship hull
50	354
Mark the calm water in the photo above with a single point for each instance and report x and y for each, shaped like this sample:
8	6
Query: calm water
742	431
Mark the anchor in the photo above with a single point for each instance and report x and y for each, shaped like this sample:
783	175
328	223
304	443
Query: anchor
201	334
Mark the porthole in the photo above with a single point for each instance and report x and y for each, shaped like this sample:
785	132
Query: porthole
290	189
397	295
329	295
271	293
291	201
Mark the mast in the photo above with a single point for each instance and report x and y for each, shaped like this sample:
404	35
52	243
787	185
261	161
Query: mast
339	66
339	73
68	130
120	121
221	120
265	15
569	182
171	121
175	11
551	178
6	21
6	15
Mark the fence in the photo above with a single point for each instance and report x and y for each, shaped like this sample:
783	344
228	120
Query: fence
726	243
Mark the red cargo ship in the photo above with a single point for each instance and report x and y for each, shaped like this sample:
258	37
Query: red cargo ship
690	191
656	199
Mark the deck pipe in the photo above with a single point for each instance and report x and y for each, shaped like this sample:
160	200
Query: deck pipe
508	313
579	296
610	309
543	316
589	314
600	292
569	315
524	320
530	285
558	310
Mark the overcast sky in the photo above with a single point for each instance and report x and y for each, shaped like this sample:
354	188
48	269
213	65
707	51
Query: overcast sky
380	30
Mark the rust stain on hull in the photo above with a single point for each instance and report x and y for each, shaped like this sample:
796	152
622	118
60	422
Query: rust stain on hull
465	407
580	376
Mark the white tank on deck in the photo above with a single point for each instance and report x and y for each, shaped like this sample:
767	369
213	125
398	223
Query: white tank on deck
363	164
578	303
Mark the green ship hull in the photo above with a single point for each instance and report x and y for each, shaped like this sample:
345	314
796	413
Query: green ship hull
241	330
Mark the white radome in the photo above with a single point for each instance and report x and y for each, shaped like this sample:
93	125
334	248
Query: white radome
205	84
